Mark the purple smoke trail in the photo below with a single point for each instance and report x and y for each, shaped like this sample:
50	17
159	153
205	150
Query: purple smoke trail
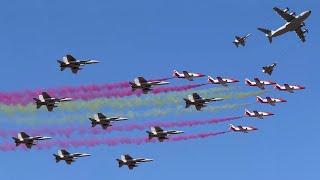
107	141
52	131
18	98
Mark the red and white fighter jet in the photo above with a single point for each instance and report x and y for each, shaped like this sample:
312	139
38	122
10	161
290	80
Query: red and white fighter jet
270	100
244	129
288	88
257	114
222	81
259	83
187	75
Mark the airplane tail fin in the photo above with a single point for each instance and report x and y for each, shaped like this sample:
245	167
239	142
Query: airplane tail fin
176	73
16	140
267	32
149	135
188	103
259	99
62	65
120	163
93	122
246	112
248	82
57	158
38	102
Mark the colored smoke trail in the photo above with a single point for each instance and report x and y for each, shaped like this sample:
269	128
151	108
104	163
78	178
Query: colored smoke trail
93	142
151	113
89	95
81	130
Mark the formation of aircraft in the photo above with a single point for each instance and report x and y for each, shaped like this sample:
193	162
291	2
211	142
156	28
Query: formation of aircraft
244	129
240	40
257	114
75	65
196	100
270	100
69	158
259	83
50	102
269	69
29	141
144	85
158	132
187	75
289	88
293	23
131	162
222	81
103	121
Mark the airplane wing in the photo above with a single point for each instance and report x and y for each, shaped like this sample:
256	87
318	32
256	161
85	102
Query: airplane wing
161	139
75	70
29	145
50	107
131	167
196	96
142	80
158	129
284	14
69	161
127	157
46	95
187	75
101	116
300	33
105	126
63	152
70	58
198	107
23	135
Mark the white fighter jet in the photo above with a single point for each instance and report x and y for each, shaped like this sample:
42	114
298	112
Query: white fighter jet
289	88
104	121
244	129
68	157
293	23
222	81
29	141
270	100
75	65
144	85
259	83
187	75
199	102
51	102
158	132
131	162
241	40
257	114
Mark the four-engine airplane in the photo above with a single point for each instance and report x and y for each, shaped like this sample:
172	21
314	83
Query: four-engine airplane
222	81
270	100
240	40
75	65
244	129
144	85
293	23
68	157
257	114
50	102
104	121
187	75
158	132
29	141
288	88
259	83
131	162
199	102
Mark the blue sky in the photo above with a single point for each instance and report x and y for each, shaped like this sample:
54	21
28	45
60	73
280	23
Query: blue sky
151	38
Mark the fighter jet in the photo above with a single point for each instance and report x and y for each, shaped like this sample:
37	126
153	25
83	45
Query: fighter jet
288	88
293	23
130	162
186	75
68	157
199	102
244	129
269	69
29	141
240	40
104	121
258	114
159	133
257	82
146	86
222	81
51	102
75	65
270	100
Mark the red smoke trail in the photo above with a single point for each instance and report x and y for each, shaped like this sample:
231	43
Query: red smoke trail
107	141
24	99
53	131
